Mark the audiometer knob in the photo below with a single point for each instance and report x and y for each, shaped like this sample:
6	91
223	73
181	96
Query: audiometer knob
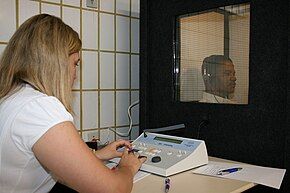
156	159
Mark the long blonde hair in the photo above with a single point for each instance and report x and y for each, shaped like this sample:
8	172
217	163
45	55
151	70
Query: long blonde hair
38	53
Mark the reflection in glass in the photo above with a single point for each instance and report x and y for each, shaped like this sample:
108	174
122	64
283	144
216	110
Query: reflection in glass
212	55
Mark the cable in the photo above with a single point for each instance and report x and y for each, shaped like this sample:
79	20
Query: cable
215	98
203	123
128	134
168	128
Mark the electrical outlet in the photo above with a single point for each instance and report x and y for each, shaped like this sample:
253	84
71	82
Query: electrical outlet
90	135
92	3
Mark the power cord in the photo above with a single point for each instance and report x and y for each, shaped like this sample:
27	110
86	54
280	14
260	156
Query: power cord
203	123
216	99
128	134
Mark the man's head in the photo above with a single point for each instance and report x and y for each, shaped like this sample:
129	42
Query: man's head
219	75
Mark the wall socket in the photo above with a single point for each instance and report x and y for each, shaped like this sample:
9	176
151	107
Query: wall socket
92	3
90	135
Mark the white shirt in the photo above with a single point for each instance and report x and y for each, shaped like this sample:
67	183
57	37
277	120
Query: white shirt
24	118
211	98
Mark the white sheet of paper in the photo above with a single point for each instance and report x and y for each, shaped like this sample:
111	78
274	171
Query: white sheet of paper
271	177
140	174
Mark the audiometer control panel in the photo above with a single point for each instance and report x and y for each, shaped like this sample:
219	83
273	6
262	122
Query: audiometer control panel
168	155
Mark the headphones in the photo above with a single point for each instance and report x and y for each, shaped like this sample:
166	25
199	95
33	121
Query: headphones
205	74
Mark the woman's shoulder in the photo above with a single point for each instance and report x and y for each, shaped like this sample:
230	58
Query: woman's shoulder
34	96
28	96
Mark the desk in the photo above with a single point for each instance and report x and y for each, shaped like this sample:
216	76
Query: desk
187	182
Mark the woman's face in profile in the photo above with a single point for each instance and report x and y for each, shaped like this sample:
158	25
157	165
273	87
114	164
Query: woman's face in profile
73	63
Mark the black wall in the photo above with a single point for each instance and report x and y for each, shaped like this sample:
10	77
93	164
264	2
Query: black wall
256	133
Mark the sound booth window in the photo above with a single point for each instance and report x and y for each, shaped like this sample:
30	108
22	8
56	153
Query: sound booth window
211	55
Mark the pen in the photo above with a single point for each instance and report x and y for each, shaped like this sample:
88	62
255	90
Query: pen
228	171
115	167
133	150
167	184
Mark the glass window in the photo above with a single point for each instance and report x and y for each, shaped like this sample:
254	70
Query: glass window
211	55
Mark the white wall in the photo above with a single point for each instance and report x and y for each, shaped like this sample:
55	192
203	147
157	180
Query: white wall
201	36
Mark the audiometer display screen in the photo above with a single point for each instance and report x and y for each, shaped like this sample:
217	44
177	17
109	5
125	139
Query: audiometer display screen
167	140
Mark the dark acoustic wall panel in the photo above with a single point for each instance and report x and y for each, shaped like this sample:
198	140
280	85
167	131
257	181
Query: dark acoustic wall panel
256	133
287	124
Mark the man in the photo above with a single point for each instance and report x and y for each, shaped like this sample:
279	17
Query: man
219	79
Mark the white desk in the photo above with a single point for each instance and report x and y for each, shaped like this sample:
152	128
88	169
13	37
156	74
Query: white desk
187	182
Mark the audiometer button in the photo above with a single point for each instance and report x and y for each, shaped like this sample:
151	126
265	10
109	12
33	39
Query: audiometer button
178	155
156	159
169	153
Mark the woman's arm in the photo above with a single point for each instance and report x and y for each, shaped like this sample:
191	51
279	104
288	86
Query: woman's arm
62	151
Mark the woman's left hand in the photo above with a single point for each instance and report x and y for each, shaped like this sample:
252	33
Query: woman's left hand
110	151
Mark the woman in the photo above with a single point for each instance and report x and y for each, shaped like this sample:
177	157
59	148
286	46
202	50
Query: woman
38	142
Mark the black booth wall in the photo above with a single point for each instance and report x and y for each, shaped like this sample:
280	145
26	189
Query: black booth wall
257	133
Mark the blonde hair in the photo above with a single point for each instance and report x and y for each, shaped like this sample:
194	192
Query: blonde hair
38	53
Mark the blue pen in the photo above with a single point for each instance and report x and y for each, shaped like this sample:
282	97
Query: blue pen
167	184
228	171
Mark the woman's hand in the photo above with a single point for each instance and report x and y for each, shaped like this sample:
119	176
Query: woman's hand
131	161
110	151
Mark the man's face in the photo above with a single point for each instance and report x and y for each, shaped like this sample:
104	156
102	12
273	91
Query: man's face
225	79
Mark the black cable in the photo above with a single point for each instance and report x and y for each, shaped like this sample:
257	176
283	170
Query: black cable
203	123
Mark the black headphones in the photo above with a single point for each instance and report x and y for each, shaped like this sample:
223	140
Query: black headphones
205	74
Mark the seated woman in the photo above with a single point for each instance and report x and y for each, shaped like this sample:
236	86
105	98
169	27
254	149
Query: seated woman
39	143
